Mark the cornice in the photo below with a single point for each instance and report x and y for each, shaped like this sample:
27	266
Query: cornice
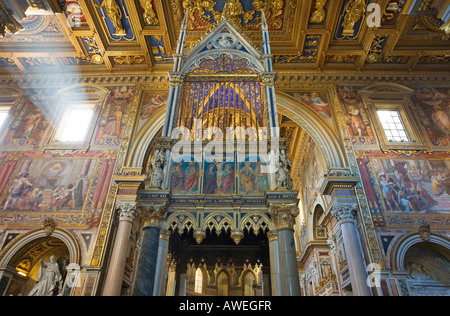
286	79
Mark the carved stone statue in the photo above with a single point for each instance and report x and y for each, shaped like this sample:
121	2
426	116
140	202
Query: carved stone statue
49	279
284	179
155	175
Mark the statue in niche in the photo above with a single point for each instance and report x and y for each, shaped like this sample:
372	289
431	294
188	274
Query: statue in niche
155	174
354	10
49	279
149	14
115	15
284	179
419	272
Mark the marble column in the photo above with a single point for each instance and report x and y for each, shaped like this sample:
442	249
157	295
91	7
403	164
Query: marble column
113	284
346	215
145	273
161	268
274	262
284	219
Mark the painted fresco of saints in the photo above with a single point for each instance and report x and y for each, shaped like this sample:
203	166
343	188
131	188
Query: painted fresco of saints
31	124
113	126
440	118
247	178
228	179
210	182
153	105
177	178
261	177
191	183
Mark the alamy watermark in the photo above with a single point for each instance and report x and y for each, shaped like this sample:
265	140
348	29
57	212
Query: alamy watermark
373	15
374	276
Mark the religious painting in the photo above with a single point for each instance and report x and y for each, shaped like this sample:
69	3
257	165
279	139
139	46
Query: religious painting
312	169
114	115
185	177
325	268
432	107
28	126
151	102
358	123
253	177
413	185
318	101
47	185
219	177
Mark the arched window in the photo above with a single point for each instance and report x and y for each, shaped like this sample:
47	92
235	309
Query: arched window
222	285
198	281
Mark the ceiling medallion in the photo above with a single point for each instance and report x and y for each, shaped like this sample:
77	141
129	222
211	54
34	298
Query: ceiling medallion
97	59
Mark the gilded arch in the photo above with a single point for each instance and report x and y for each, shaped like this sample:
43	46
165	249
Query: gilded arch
322	134
304	116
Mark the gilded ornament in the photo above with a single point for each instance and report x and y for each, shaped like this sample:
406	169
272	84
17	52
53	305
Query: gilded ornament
49	226
149	14
425	232
354	10
237	236
129	60
319	14
284	215
97	59
115	15
232	10
199	235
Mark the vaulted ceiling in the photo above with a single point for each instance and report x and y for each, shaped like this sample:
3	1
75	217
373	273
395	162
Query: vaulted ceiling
140	36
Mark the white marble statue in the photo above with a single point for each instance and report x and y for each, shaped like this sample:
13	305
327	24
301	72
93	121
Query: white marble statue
49	279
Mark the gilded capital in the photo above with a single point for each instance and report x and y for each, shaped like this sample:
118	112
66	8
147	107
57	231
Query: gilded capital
345	212
284	215
154	215
127	211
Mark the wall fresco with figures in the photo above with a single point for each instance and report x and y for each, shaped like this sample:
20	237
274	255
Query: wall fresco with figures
70	186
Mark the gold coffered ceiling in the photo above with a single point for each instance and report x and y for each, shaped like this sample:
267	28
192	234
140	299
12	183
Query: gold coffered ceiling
140	36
